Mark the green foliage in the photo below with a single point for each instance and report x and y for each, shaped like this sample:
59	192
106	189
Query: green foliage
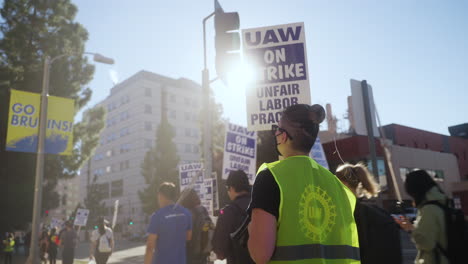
31	30
160	163
94	203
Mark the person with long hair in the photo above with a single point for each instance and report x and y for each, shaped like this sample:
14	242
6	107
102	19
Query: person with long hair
372	222
358	179
102	242
201	222
428	232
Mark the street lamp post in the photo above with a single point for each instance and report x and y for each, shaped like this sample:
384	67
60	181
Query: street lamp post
206	92
34	249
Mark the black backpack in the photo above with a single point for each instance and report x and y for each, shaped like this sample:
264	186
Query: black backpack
457	234
240	237
379	235
202	232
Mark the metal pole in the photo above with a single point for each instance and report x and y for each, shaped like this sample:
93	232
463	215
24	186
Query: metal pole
34	249
207	104
370	128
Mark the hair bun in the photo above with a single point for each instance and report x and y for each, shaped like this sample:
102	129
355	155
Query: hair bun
317	113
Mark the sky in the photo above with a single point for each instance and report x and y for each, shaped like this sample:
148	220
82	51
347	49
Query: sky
413	52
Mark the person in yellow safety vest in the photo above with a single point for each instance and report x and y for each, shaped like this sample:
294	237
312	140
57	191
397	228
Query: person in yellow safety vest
9	245
300	212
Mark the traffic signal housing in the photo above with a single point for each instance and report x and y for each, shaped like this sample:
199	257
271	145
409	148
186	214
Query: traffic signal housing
227	42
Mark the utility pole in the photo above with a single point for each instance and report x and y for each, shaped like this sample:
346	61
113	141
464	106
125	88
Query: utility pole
207	103
370	128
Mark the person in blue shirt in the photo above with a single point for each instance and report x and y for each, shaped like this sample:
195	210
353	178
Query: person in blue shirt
169	229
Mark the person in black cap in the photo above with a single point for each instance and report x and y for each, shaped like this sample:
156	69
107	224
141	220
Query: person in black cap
231	218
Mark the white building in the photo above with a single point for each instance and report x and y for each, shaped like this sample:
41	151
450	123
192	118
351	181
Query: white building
133	115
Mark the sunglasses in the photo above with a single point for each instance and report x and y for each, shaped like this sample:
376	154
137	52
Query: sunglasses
275	129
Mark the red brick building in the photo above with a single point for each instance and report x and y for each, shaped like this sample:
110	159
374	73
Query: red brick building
444	157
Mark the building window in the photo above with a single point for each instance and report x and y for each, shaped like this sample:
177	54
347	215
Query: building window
196	149
186	101
172	114
195	133
194	103
124	165
103	190
148	92
108	169
124	131
187	116
188	148
124	116
173	98
148	143
117	188
148	126
187	132
148	109
124	99
124	148
194	117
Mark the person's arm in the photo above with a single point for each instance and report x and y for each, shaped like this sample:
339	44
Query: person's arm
221	238
264	209
427	227
262	236
150	248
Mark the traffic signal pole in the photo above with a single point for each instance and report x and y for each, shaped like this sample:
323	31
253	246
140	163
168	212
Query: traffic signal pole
207	124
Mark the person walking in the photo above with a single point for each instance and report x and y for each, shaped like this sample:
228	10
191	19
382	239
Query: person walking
68	240
198	248
169	229
428	232
8	247
372	222
43	245
300	211
52	246
102	242
231	218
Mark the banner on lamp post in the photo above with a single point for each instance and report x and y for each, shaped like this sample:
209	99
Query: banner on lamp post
23	123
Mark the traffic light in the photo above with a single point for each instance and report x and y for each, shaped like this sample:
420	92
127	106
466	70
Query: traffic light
46	213
130	222
227	42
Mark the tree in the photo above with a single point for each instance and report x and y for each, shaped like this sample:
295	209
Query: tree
160	163
31	30
93	202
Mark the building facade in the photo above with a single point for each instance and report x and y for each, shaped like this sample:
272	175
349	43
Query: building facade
134	109
442	156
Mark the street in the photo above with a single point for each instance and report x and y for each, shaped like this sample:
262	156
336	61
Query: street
128	252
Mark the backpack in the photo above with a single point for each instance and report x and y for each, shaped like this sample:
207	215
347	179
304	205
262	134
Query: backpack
240	237
103	244
457	234
379	235
202	232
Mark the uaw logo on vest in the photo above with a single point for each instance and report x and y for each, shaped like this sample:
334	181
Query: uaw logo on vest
278	58
23	123
317	213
